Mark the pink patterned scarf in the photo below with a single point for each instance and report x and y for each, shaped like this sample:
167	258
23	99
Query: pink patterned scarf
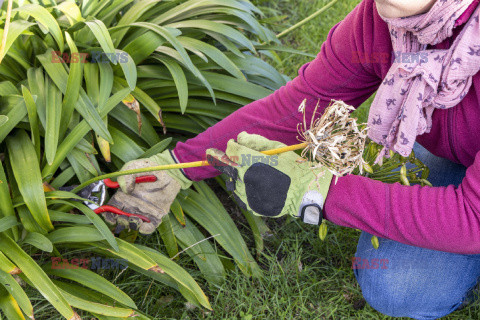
411	91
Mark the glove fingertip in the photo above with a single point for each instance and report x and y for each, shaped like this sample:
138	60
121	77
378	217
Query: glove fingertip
147	229
110	218
126	184
257	142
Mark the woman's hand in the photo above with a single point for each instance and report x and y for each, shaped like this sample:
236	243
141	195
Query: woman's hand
272	186
150	199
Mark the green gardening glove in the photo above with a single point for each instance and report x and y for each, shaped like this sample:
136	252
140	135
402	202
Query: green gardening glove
272	186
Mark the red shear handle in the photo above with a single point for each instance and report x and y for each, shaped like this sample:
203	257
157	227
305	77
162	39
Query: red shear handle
114	210
114	185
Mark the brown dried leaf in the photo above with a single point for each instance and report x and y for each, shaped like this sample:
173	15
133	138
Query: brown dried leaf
160	119
133	105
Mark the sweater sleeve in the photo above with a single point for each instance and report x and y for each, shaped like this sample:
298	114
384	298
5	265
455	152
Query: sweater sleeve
347	68
438	218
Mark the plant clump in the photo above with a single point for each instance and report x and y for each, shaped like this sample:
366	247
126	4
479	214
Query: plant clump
334	141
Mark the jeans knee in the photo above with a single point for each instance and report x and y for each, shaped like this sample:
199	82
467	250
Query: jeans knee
392	295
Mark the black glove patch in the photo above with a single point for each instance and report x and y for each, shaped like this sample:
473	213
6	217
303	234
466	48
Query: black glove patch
266	189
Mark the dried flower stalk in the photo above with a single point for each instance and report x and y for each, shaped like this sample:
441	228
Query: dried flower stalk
335	140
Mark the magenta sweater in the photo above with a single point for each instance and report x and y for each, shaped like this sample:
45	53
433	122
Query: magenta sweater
350	67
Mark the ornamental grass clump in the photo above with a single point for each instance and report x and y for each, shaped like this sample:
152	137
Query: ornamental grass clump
86	86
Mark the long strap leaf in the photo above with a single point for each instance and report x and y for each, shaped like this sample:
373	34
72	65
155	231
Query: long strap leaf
36	275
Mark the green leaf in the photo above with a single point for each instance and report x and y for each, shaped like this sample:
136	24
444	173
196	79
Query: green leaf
206	209
168	34
132	15
7	223
7	266
3	119
92	86
178	274
68	217
32	118
54	117
144	99
25	167
129	68
84	105
36	83
100	32
132	254
179	78
16	112
143	46
202	252
39	241
74	83
106	83
216	27
165	230
45	20
36	275
13	288
124	147
79	234
6	206
91	280
9	306
177	211
96	220
213	53
7	88
71	11
80	131
157	148
97	307
128	123
16	29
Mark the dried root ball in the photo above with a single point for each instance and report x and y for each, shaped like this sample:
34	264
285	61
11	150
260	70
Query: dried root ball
335	140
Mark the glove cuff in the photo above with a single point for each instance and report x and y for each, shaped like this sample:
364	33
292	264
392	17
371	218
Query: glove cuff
313	201
168	157
311	207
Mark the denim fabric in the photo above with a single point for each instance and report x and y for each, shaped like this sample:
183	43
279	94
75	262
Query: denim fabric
416	282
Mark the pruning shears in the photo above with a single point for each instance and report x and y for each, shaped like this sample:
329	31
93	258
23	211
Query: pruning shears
96	193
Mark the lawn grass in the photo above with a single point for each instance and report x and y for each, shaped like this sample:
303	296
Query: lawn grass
304	278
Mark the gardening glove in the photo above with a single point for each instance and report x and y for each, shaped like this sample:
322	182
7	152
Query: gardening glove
150	199
272	186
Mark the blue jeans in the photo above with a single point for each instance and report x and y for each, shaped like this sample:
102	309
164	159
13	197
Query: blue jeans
416	282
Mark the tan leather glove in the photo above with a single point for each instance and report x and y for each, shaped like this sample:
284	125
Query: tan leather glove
150	199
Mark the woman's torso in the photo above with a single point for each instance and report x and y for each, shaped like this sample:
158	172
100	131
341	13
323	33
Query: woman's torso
455	132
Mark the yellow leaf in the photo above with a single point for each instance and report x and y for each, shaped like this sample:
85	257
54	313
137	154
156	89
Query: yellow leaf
322	231
375	242
104	148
